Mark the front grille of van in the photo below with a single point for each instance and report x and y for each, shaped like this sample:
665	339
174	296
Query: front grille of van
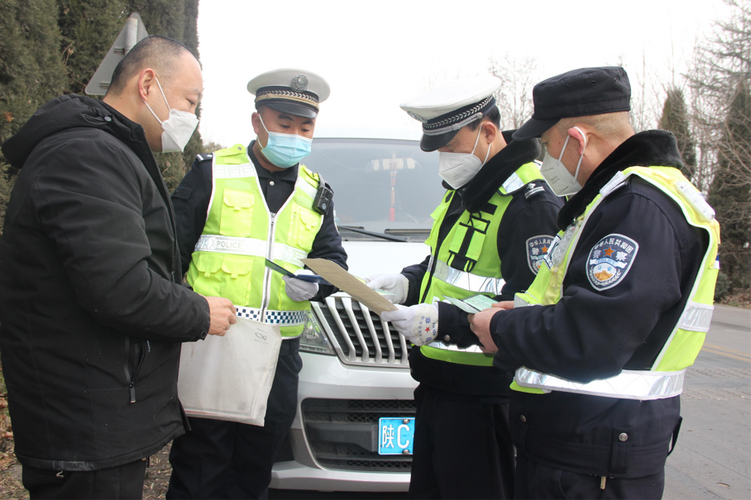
343	433
359	336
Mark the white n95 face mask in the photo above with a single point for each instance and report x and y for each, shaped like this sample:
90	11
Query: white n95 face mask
177	128
557	175
457	169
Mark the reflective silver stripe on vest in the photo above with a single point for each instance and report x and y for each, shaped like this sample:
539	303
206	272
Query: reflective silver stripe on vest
696	317
304	186
513	183
467	281
231	244
629	384
288	254
451	347
281	318
249	246
233	171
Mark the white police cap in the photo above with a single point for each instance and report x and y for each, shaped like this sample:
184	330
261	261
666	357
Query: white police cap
290	90
450	106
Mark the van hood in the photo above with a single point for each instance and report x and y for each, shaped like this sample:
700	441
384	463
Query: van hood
368	258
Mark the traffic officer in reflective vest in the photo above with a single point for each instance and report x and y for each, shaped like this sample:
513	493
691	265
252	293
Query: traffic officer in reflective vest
489	233
620	306
260	200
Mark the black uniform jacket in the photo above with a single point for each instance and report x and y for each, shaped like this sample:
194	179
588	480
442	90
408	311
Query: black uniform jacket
531	213
91	304
594	334
191	199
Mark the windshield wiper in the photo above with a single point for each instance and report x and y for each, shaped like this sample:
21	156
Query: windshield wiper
374	234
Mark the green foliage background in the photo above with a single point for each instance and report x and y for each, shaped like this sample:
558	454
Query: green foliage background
675	119
53	47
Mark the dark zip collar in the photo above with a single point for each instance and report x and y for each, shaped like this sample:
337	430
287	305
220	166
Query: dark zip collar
645	149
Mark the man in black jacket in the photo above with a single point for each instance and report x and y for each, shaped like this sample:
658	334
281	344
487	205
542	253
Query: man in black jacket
91	302
620	306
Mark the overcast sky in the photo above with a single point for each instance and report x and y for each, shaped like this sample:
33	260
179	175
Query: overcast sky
378	54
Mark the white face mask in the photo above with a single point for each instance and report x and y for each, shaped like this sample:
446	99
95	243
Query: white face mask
557	175
177	128
457	169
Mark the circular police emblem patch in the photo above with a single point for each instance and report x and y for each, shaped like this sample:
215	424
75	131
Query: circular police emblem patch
610	261
537	247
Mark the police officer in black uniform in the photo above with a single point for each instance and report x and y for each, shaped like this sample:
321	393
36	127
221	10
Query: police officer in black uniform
621	304
494	224
222	459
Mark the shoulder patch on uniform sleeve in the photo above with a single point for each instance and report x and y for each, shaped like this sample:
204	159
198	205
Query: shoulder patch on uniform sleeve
537	247
610	260
532	189
205	156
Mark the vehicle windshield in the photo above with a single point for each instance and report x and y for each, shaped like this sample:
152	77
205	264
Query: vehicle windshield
380	185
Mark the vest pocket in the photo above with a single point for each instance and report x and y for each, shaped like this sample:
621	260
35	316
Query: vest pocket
222	275
237	285
303	227
237	213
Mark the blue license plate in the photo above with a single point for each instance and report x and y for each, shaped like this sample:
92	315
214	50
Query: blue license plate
396	436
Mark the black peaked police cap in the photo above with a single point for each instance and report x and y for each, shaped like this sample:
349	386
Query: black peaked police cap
581	92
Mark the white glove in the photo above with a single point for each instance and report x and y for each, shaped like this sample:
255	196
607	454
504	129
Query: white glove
419	323
299	290
397	286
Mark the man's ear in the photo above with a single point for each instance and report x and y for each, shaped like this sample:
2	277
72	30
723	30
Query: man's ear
255	120
146	82
579	133
489	131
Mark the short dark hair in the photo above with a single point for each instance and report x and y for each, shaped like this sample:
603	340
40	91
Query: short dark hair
493	115
156	51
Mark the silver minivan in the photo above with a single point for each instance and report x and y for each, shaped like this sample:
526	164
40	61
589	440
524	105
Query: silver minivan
355	416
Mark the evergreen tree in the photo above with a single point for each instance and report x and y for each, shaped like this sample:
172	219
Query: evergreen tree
730	193
88	29
675	119
719	81
31	70
176	19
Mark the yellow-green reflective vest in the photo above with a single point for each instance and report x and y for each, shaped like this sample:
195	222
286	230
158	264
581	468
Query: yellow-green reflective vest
467	262
240	233
665	378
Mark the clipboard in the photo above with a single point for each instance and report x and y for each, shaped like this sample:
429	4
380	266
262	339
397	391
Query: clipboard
351	284
311	278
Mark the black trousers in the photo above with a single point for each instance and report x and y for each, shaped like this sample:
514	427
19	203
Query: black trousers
122	482
462	447
534	480
220	459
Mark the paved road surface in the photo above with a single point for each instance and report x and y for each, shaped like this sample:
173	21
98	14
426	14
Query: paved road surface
713	455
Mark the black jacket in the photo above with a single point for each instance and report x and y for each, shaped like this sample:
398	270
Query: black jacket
191	199
531	213
91	305
595	333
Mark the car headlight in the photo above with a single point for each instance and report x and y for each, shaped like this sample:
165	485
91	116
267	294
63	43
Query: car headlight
313	338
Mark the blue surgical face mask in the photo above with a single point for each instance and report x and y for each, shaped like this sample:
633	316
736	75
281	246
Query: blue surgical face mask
285	150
